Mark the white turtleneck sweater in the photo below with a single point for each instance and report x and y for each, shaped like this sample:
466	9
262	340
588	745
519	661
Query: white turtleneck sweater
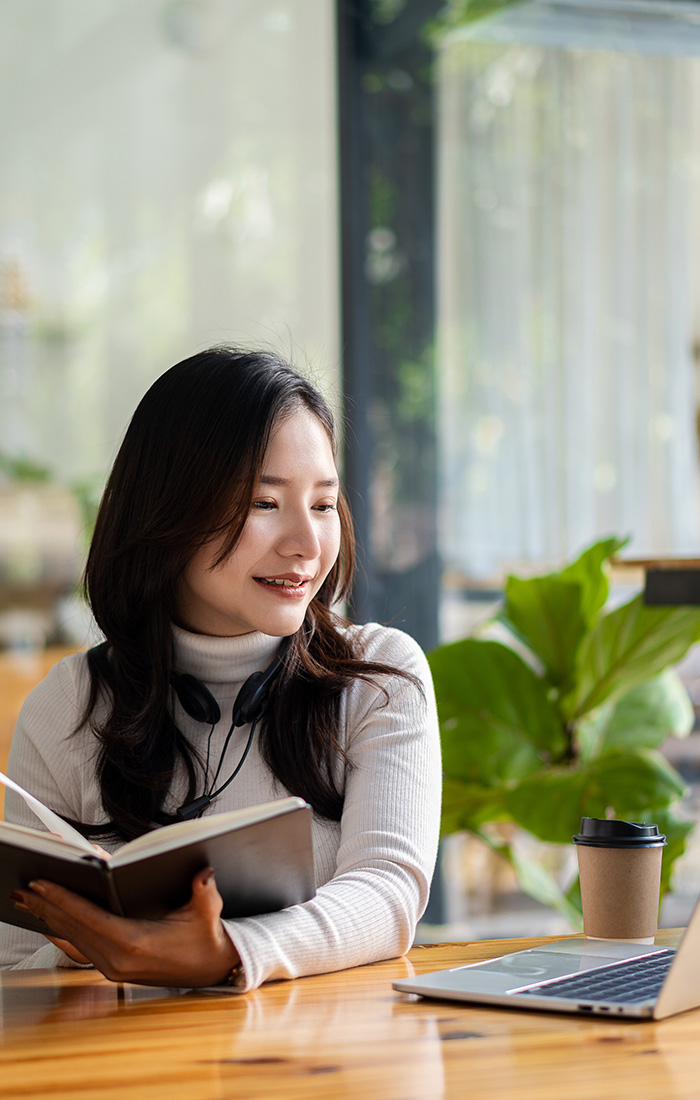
373	867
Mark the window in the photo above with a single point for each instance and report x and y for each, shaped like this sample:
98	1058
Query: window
569	296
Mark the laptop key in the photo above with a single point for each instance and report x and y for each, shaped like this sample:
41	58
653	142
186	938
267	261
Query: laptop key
623	983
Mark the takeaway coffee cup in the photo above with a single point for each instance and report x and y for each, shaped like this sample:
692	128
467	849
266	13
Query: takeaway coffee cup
620	869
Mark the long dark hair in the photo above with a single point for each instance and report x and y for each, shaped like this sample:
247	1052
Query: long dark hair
185	474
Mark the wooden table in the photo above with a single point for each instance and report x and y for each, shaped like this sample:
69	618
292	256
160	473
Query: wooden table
349	1036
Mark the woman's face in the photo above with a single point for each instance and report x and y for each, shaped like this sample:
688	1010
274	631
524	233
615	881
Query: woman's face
289	543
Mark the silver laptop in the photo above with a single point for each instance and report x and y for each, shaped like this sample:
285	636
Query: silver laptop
602	977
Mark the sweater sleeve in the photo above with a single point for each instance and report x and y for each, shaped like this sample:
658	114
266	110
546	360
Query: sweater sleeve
389	833
48	718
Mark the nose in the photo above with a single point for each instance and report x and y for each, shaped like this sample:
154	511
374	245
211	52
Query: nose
300	538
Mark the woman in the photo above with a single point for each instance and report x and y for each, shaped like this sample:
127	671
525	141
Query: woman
221	546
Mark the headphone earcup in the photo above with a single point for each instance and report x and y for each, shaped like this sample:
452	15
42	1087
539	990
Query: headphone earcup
195	698
250	701
252	698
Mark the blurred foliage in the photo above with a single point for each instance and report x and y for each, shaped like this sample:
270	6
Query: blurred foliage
87	491
88	494
21	468
565	720
458	13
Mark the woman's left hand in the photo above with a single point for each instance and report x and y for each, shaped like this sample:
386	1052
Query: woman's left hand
188	947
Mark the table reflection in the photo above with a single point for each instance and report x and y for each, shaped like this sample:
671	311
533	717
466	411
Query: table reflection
314	1037
31	997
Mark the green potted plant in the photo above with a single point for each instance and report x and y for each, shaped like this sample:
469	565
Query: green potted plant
564	718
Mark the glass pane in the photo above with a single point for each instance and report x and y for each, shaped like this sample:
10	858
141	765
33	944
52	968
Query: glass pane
569	298
167	181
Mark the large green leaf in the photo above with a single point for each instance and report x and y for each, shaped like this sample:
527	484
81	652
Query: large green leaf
470	806
590	731
676	830
633	783
551	614
626	647
545	613
642	718
645	716
589	571
550	805
496	720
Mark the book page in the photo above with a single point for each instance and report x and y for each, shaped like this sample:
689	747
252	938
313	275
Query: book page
36	840
52	821
182	832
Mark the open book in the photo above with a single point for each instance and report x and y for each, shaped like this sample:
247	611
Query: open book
262	858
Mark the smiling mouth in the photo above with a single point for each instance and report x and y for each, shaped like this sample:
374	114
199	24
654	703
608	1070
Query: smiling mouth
280	583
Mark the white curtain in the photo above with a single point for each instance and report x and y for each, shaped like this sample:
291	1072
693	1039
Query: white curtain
569	312
167	181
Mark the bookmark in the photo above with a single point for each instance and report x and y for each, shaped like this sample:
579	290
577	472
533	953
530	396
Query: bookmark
52	821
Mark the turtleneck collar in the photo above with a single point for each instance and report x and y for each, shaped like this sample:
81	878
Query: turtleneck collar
222	660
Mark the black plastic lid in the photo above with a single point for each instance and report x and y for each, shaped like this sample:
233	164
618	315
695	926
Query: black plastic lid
598	832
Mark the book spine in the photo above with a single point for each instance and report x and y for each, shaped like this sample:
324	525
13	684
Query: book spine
115	904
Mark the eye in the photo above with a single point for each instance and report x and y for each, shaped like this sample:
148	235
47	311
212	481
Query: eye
264	505
325	507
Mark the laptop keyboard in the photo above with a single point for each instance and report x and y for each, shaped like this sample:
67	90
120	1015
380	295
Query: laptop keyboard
622	983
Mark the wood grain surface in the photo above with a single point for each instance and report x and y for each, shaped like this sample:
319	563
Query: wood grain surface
71	1034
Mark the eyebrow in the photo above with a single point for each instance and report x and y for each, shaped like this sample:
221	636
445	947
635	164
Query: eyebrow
270	479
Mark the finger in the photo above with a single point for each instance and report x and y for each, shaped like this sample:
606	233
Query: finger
90	931
69	950
65	911
206	902
42	893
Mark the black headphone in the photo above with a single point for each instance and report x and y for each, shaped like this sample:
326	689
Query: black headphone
249	706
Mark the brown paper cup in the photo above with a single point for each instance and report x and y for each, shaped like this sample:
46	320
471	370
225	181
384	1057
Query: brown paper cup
620	892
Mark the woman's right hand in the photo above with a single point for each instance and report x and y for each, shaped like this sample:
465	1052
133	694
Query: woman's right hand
189	947
63	945
68	949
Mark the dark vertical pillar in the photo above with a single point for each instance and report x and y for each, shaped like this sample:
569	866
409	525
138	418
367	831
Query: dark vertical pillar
356	339
387	202
388	312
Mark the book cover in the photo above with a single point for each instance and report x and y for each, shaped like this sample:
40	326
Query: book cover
262	859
